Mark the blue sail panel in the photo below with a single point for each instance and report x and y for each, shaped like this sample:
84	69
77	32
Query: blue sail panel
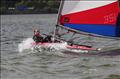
105	30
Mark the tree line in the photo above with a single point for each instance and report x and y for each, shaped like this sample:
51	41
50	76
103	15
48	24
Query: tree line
26	6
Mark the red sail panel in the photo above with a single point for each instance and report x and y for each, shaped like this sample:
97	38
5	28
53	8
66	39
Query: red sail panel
101	15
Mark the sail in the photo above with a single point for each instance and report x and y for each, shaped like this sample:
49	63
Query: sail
92	16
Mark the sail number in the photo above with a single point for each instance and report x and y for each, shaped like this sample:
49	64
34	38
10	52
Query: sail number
109	18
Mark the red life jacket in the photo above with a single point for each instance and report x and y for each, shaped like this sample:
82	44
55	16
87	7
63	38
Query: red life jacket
37	34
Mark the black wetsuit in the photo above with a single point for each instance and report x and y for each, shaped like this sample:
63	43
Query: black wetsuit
48	38
37	39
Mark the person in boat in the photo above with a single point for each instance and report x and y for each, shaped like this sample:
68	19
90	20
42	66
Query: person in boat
37	37
48	38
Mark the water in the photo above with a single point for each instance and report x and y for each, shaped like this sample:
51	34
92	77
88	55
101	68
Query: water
44	65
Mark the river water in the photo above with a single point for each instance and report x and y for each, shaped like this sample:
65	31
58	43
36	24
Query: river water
16	28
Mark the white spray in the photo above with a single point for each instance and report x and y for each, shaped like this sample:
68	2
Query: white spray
25	44
53	48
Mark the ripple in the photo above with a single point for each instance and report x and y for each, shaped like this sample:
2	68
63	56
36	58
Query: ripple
107	65
113	76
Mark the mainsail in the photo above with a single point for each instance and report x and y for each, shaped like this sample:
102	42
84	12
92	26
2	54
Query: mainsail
97	17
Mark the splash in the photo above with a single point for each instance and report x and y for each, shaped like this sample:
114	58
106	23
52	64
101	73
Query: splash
25	44
28	46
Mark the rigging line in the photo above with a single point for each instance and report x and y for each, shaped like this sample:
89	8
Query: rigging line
54	35
70	40
58	33
67	32
72	34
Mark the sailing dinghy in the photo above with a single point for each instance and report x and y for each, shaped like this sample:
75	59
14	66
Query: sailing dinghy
95	18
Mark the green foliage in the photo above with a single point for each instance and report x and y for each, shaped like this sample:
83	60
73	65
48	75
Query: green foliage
39	6
37	3
2	10
19	3
50	3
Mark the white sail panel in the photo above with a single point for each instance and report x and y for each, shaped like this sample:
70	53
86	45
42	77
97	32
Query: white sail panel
71	6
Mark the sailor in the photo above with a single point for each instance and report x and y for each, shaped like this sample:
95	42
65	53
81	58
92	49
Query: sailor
48	38
37	37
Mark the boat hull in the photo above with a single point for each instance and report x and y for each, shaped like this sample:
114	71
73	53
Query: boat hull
79	49
64	45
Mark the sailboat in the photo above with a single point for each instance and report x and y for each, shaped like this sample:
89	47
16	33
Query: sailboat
91	18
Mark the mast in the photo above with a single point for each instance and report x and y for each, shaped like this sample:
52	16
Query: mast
59	11
58	18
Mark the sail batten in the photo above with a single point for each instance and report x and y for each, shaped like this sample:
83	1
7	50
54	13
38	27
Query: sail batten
97	17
